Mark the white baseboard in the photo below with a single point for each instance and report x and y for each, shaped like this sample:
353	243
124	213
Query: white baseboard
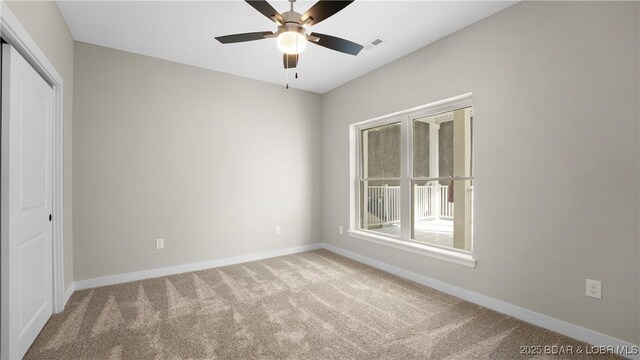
538	319
177	269
532	317
68	293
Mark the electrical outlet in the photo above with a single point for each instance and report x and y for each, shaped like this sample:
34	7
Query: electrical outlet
594	289
159	244
278	232
341	229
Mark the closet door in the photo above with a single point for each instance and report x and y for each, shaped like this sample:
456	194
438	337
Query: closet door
26	165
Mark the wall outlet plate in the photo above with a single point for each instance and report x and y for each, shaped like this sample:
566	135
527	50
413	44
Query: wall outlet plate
594	289
159	244
341	229
278	231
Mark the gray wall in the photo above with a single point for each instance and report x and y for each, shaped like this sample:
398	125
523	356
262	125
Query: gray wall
46	26
556	158
210	162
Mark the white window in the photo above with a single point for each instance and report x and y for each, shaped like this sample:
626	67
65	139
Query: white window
414	180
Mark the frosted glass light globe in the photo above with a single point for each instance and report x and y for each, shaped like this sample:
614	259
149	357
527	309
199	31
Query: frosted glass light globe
291	42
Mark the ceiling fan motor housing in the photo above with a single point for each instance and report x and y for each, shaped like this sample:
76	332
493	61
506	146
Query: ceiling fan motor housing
291	23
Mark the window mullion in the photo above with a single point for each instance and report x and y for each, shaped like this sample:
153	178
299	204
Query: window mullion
405	181
356	206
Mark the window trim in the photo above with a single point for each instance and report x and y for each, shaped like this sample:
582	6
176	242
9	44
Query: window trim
404	241
416	248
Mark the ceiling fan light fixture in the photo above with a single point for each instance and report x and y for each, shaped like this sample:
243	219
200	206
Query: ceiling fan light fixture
292	42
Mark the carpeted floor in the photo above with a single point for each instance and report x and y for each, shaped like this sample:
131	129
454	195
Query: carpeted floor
314	305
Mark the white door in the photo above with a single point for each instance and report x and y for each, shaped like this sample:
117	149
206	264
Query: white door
26	167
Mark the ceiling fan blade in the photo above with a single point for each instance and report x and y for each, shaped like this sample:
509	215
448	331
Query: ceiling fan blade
322	10
337	44
290	61
267	10
235	38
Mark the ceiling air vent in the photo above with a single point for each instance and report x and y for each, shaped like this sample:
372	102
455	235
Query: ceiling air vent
373	43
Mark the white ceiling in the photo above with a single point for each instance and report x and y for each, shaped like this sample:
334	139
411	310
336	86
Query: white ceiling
184	31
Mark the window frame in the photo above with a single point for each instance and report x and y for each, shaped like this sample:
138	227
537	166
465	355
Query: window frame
405	241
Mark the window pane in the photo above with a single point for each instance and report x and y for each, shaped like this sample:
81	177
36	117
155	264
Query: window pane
380	206
442	145
445	150
442	214
421	131
381	151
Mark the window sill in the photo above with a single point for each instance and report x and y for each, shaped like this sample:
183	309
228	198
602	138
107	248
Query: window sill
431	251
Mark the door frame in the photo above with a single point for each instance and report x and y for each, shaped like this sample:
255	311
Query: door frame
15	34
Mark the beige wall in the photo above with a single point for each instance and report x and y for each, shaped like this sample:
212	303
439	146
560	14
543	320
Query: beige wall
47	28
212	162
556	137
208	161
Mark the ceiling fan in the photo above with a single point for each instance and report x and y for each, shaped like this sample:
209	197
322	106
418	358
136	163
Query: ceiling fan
292	35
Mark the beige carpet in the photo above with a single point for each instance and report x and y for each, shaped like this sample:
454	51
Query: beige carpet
314	305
